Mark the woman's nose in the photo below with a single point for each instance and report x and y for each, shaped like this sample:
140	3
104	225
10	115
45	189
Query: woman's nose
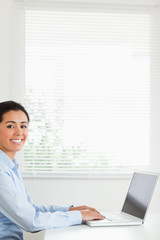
18	131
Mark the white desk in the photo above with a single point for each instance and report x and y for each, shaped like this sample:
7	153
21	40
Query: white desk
150	230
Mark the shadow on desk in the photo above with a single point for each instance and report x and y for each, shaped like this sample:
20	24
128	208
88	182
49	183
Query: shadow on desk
33	236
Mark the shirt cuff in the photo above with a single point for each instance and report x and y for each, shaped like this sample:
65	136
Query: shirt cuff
75	217
66	209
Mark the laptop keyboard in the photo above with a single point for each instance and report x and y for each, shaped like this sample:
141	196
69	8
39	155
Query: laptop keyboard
117	218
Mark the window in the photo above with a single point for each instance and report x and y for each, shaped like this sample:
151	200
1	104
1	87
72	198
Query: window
87	88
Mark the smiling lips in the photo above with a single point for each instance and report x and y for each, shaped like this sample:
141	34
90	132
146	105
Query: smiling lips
16	141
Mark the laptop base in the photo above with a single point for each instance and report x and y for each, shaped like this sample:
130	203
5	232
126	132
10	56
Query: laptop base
115	219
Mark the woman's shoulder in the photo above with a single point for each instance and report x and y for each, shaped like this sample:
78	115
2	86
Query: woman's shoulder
4	169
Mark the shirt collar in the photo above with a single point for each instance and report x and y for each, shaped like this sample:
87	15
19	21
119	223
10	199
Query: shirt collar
16	165
4	159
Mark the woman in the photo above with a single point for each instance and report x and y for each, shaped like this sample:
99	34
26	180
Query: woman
17	212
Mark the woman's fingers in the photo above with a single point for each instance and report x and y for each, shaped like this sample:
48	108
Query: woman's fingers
84	207
88	215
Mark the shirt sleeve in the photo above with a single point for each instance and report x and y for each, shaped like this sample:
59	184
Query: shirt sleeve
15	205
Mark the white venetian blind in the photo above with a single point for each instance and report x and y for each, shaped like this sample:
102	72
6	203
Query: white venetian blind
87	87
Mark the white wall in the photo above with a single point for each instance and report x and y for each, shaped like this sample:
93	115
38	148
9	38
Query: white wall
103	194
6	7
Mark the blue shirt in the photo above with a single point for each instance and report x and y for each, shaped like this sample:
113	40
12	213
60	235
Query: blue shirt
17	211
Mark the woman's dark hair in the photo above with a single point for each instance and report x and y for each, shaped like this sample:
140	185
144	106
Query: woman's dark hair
11	106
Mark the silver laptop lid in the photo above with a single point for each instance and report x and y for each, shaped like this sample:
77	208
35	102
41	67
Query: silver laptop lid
140	193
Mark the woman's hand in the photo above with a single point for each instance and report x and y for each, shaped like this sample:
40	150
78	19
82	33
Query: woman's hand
81	208
88	213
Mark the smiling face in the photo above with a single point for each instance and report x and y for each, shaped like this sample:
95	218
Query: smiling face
13	132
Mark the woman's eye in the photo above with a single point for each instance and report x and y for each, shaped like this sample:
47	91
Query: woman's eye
23	126
10	126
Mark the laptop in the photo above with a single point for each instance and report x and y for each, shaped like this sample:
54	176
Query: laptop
136	204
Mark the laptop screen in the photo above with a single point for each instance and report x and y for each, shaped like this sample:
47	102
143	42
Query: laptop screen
139	194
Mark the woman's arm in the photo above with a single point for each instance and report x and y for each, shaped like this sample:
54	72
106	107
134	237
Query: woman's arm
15	206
